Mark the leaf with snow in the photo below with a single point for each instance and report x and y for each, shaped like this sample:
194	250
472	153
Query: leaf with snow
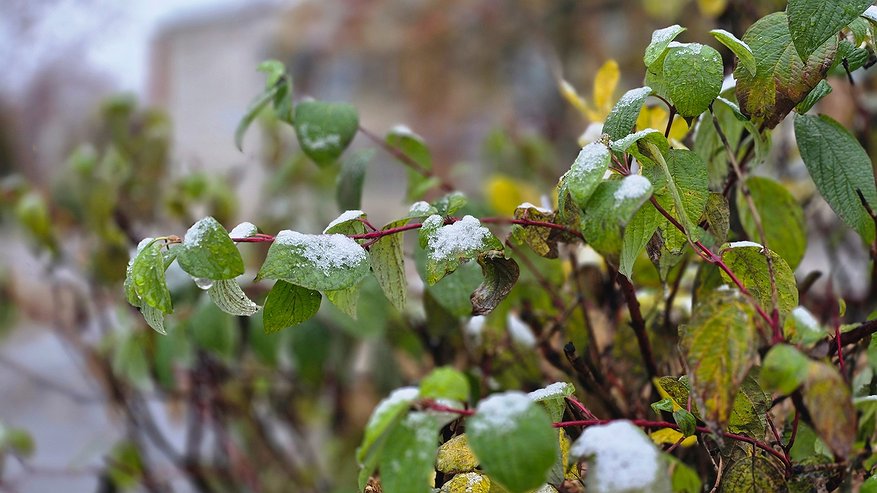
513	440
383	419
553	398
681	188
324	130
661	39
319	262
407	459
500	275
348	223
623	117
610	209
803	328
693	75
244	230
738	47
450	245
586	173
622	459
230	298
448	204
208	252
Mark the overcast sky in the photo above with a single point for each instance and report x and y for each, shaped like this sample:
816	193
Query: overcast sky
112	35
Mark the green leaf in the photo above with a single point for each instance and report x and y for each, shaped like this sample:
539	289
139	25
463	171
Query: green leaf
154	318
643	137
685	420
752	474
820	91
513	440
412	145
450	245
207	252
348	223
586	172
661	39
781	216
288	305
803	328
681	188
622	119
445	383
407	459
719	346
230	298
840	168
17	440
748	415
612	207
747	261
500	276
683	478
388	265
147	277
784	369
450	203
346	300
738	47
718	217
324	130
319	262
693	74
828	399
553	398
677	392
385	416
253	110
813	22
348	187
637	234
782	79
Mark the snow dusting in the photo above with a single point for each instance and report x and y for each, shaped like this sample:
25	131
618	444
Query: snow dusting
196	233
744	244
433	221
632	187
313	140
663	35
343	218
633	95
419	208
519	331
404	130
500	412
243	230
457	239
591	134
805	318
527	205
557	389
623	458
474	328
593	156
326	252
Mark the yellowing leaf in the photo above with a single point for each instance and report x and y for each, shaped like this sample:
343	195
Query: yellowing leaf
669	436
604	88
504	194
572	97
712	8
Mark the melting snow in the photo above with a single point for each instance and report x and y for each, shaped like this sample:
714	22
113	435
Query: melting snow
527	205
344	217
805	318
624	459
196	233
318	142
404	394
744	244
420	208
326	252
632	187
456	239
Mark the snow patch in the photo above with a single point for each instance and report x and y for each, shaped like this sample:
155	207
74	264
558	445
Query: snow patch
326	252
623	458
744	244
632	187
557	389
196	233
343	218
419	208
315	141
243	230
457	239
404	394
805	318
500	412
592	134
527	205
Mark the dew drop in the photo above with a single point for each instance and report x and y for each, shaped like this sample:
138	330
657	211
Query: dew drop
203	282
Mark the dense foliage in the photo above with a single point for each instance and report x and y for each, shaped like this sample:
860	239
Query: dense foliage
743	390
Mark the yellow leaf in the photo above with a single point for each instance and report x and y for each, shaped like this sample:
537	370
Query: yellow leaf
504	194
656	117
669	436
604	88
712	8
572	97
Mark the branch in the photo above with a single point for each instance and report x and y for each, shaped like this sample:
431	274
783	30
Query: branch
639	325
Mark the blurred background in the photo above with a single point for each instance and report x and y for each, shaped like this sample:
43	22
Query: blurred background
117	123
